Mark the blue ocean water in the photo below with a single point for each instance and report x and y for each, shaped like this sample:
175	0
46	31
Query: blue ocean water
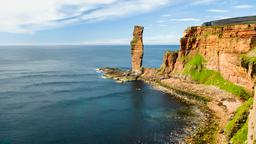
53	95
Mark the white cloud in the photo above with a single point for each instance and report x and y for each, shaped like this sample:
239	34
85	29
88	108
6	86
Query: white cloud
162	39
166	15
223	17
159	39
217	10
185	20
245	6
120	41
202	2
31	15
160	21
163	25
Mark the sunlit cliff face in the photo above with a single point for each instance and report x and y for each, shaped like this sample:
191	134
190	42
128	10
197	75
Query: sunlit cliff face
222	47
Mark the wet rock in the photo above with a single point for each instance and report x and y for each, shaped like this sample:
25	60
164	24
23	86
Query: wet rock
119	75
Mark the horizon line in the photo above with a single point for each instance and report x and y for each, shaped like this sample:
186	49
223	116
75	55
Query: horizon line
77	44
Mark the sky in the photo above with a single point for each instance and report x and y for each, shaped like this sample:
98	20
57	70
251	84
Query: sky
54	22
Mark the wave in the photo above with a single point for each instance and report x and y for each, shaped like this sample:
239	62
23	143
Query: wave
6	72
56	83
36	93
98	70
47	75
87	99
8	94
79	89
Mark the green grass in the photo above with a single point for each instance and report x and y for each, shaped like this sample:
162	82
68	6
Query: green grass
241	136
239	119
250	57
193	38
219	33
206	34
196	70
207	134
134	41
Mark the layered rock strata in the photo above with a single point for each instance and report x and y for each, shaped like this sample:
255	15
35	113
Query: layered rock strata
222	47
137	50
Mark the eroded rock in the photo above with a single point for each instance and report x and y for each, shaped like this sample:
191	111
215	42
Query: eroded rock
137	50
118	75
222	47
169	61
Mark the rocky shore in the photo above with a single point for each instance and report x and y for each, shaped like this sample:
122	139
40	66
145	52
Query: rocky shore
214	70
214	106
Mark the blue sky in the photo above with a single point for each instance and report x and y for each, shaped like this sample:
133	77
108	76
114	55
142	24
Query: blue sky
109	21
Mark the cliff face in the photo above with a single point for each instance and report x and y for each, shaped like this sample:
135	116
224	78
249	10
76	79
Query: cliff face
251	138
137	50
169	61
222	47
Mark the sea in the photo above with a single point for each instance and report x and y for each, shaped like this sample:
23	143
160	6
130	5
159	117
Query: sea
54	95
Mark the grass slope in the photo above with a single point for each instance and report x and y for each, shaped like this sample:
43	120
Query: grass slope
250	57
195	69
239	119
241	136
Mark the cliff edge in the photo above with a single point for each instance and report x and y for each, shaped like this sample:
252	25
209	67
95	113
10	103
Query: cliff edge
222	48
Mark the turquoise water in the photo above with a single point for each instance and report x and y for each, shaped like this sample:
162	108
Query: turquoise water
53	95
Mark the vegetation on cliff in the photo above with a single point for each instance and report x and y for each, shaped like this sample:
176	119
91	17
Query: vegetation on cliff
221	46
249	61
241	136
236	130
250	57
134	41
233	128
196	70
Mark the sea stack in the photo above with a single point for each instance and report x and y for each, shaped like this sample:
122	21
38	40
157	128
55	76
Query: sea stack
137	50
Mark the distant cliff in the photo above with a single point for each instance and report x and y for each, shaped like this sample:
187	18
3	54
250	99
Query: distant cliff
229	21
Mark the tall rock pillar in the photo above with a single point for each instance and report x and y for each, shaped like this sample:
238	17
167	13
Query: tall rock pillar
137	50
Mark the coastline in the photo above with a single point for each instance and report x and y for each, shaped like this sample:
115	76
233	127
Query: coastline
214	106
199	123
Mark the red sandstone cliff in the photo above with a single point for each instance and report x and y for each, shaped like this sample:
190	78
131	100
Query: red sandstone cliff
137	50
169	61
222	47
